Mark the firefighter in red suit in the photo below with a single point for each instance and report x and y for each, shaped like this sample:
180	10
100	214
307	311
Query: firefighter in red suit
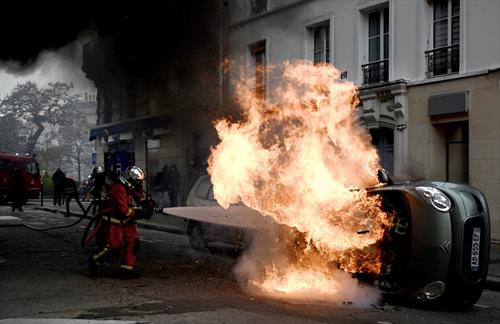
120	212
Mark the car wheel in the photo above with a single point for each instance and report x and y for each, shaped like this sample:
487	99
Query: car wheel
196	238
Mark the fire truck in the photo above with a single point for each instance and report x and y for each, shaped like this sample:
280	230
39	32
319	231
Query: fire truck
29	169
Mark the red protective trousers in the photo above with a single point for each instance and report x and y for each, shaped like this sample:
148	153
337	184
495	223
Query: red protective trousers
122	229
127	233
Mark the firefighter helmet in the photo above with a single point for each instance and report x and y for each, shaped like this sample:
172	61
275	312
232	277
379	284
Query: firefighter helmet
98	169
133	175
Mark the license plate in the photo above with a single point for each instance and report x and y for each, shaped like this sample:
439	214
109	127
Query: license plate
474	255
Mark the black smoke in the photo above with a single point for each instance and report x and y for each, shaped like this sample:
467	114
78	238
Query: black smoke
163	28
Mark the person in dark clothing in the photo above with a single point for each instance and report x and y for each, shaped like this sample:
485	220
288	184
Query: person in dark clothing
57	179
18	188
174	182
163	186
70	191
98	178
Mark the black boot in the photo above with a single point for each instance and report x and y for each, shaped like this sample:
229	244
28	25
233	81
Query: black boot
128	273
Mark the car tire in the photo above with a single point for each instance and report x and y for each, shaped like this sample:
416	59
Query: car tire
197	239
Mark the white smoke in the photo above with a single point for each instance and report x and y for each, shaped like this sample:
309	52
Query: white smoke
63	64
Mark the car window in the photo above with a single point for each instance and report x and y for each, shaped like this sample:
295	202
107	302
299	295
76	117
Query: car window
211	193
203	188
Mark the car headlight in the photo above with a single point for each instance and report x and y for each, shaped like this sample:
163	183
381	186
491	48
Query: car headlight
432	291
435	197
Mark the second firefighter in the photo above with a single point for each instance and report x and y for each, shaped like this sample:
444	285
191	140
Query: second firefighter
118	217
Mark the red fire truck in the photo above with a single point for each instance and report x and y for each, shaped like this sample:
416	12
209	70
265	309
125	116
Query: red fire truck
29	169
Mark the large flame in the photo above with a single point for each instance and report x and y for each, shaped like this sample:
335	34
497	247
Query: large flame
302	159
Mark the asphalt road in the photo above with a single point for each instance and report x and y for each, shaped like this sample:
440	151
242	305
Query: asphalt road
45	276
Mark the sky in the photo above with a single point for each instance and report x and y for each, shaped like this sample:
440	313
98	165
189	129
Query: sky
62	64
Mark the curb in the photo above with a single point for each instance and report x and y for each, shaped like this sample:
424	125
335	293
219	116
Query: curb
492	283
21	320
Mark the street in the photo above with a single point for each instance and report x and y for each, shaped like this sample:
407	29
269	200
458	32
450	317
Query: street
46	276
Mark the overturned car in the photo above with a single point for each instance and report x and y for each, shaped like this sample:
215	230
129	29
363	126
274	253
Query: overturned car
436	252
438	248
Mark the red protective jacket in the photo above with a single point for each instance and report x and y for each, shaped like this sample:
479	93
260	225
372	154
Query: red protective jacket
120	203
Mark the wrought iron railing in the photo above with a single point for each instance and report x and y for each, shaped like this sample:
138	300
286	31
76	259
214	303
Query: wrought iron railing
375	72
443	60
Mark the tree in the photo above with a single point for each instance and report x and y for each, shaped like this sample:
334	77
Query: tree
46	119
35	109
74	139
11	140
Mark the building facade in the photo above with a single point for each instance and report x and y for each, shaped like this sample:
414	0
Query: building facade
427	72
158	81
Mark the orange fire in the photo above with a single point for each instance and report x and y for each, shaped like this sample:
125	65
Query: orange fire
301	158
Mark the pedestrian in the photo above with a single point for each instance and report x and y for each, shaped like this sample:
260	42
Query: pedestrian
98	178
70	191
57	179
85	188
174	183
164	185
18	189
119	213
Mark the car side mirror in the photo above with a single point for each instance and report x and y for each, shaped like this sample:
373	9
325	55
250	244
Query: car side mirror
384	177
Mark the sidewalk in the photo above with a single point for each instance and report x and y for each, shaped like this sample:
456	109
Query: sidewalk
493	280
176	225
64	321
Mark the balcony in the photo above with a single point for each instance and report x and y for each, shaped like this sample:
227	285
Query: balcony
443	60
375	72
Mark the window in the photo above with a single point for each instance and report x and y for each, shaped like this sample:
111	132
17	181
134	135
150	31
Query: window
446	23
377	69
444	58
321	47
258	6
378	35
258	52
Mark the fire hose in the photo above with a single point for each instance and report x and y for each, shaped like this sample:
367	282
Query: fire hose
97	219
150	207
147	206
88	235
43	229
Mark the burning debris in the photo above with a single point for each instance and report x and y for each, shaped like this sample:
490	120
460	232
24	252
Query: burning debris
302	159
